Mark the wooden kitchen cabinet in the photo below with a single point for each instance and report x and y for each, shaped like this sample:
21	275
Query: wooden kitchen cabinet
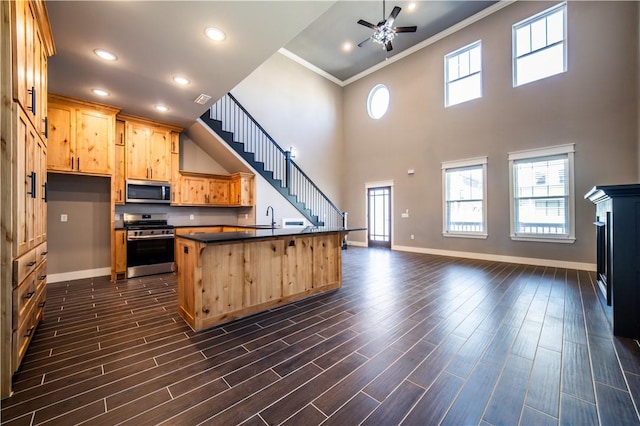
121	254
119	165
81	136
218	192
201	189
27	43
148	149
241	189
31	48
31	177
193	190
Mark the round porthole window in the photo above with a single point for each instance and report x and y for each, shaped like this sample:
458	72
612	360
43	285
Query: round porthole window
378	101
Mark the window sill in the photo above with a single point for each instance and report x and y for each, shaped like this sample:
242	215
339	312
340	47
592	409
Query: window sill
465	235
561	240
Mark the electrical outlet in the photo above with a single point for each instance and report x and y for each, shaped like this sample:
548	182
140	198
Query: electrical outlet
246	216
63	218
192	217
413	237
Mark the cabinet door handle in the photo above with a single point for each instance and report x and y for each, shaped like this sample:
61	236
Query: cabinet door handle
41	277
44	189
30	331
31	263
78	163
32	176
71	163
44	253
29	295
32	92
41	304
46	127
120	196
205	310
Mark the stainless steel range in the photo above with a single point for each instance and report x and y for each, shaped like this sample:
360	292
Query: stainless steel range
150	243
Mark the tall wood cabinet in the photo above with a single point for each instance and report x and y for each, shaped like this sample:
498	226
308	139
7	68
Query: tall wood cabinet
26	43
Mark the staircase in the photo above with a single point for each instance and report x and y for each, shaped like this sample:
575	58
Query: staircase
231	121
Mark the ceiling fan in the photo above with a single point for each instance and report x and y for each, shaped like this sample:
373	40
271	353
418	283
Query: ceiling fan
384	32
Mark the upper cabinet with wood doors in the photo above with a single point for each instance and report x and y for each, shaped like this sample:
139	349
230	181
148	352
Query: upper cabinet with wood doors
81	136
32	45
148	149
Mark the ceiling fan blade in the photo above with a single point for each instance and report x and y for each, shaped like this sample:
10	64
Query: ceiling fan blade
394	14
367	24
388	47
411	29
364	42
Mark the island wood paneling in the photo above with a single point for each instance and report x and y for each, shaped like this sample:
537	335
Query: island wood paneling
229	280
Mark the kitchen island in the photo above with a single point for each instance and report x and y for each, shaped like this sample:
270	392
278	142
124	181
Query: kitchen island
223	276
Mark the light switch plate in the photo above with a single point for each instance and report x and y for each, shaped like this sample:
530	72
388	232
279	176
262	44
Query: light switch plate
192	217
63	218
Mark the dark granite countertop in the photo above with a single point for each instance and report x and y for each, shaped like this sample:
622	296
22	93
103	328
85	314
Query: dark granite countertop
224	225
254	234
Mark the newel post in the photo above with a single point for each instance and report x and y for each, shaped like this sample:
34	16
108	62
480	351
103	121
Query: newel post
287	170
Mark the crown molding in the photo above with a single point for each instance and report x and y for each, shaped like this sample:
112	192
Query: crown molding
431	40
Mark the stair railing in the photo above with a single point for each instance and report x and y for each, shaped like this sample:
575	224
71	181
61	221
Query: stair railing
248	132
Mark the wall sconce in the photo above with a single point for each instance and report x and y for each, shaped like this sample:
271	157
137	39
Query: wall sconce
293	151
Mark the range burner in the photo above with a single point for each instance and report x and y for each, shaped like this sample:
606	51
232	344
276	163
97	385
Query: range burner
145	220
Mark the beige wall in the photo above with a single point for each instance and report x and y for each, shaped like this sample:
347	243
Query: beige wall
594	105
83	242
299	108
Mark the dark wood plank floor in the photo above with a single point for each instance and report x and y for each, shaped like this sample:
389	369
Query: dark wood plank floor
409	339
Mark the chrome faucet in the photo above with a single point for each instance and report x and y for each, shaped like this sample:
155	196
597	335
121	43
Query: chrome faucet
273	219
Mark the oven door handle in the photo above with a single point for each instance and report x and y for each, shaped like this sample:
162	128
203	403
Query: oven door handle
151	237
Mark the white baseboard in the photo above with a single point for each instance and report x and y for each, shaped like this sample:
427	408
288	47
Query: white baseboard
491	257
357	243
78	275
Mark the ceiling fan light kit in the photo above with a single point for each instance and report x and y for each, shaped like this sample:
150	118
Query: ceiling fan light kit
384	32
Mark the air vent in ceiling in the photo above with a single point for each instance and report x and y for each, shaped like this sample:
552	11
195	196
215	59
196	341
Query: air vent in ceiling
202	99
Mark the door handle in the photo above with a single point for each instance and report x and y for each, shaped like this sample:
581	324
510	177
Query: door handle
32	92
32	176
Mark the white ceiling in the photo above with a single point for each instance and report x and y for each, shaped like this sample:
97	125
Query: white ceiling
155	40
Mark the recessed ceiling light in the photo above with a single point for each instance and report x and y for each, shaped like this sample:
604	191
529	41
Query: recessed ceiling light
100	92
162	108
215	34
412	6
181	80
347	46
107	56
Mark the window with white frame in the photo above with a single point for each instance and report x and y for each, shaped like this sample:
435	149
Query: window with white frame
463	74
465	192
539	46
542	195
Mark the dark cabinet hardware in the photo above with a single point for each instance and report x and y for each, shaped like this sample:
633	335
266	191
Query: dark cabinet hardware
30	331
31	263
44	253
29	295
205	310
41	277
32	92
71	163
41	304
32	175
44	189
78	163
46	127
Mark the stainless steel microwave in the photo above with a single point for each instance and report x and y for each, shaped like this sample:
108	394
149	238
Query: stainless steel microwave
142	191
